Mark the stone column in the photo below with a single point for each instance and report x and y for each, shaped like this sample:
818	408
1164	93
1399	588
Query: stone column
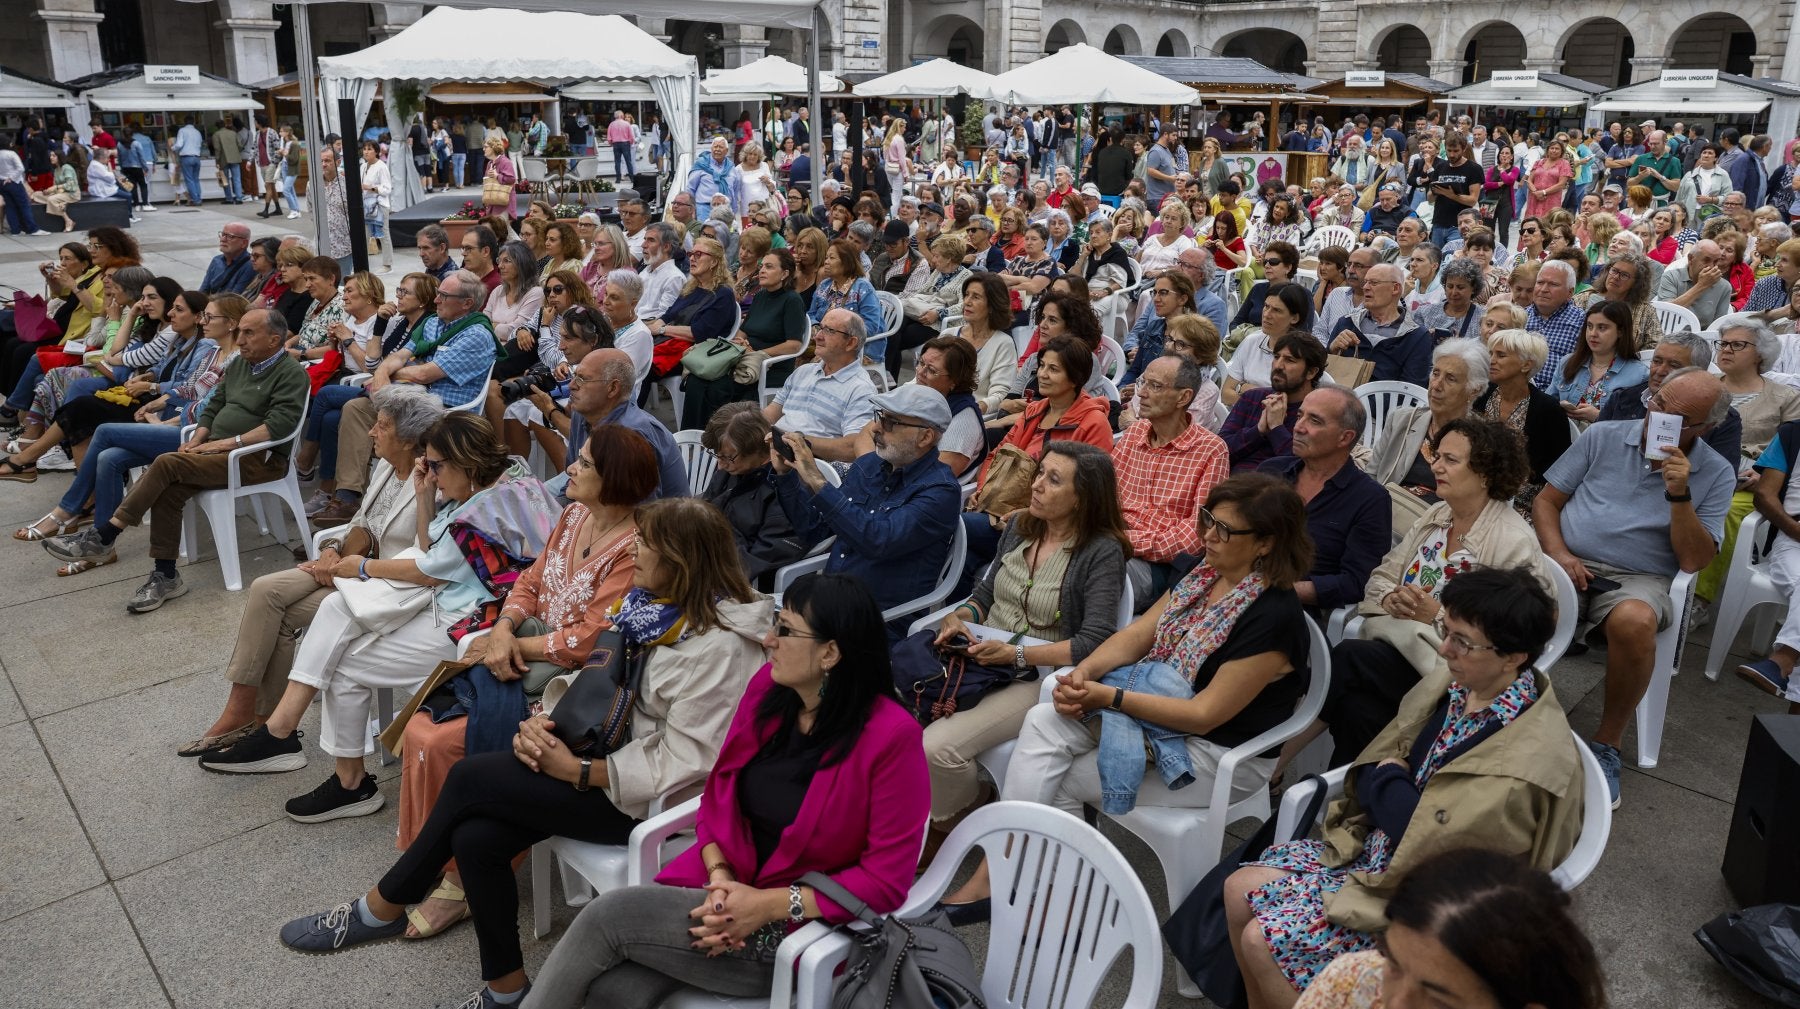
860	21
1544	66
657	28
1335	47
392	19
1025	32
1645	68
1448	71
249	48
71	38
744	44
1760	64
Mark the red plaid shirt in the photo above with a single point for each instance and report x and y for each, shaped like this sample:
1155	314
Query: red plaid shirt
1162	488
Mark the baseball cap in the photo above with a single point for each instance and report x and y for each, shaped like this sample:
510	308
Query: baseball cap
1614	187
917	401
895	231
1091	190
928	207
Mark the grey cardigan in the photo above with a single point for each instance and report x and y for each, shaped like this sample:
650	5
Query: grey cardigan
1091	588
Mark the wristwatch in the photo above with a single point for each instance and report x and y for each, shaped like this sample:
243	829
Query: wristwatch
1118	701
581	783
238	441
1673	499
1018	656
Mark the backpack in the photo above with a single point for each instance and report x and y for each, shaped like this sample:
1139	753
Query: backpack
913	963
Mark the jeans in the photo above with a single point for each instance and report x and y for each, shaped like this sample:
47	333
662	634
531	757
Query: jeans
1047	162
984	542
1122	738
287	192
18	208
190	176
114	451
622	160
234	182
140	182
457	163
22	393
1443	236
322	424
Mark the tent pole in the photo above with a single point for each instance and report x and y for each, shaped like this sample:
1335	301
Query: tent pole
820	130
314	136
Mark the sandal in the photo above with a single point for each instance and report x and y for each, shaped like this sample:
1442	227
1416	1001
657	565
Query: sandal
199	747
10	470
446	890
86	564
59	527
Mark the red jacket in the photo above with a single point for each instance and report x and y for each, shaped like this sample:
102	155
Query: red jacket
1088	419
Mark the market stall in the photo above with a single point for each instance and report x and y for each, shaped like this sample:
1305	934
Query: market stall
1711	99
1530	101
157	100
1244	88
1377	93
22	95
935	78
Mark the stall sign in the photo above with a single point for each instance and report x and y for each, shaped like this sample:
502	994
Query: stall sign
171	75
1365	78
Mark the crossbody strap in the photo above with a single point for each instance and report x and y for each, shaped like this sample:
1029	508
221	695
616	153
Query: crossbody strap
835	891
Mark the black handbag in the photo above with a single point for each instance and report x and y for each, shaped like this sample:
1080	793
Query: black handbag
896	963
1197	932
593	716
936	683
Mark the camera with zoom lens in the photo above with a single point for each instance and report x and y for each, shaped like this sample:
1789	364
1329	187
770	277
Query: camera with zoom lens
537	377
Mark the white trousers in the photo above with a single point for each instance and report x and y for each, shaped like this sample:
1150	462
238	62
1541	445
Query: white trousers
347	680
1784	570
1055	763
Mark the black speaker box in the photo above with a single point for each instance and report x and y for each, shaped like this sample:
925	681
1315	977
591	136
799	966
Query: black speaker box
1762	854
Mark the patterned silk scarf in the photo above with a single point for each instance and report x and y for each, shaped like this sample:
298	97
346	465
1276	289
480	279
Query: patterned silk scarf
1191	630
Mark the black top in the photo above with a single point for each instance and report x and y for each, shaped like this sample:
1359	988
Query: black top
292	306
1547	425
1113	256
1274	623
1464	178
772	787
1419	474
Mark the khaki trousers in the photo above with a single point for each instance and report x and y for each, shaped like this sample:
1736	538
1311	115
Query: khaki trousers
356	447
174	478
281	605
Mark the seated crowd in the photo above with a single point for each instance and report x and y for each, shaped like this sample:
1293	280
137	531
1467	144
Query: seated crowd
1132	406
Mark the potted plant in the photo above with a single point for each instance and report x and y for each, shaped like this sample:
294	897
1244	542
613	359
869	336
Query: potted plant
974	142
458	224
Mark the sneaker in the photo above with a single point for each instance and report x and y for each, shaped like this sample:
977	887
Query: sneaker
56	461
1765	676
332	801
319	501
148	207
155	591
257	753
293	214
337	512
339	928
39	233
484	999
1609	766
85	545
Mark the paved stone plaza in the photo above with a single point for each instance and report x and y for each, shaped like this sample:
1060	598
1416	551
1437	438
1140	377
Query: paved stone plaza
133	879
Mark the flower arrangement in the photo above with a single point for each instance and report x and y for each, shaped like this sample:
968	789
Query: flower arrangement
471	211
563	210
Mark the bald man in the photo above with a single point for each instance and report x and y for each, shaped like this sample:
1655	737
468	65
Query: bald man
600	392
1622	530
230	270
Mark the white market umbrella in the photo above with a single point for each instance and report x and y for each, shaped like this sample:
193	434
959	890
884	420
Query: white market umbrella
1081	73
770	75
938	78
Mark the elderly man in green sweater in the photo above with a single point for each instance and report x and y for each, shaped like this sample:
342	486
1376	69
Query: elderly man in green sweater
260	398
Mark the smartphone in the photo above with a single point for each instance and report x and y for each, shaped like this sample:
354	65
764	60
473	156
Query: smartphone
1599	584
958	645
779	442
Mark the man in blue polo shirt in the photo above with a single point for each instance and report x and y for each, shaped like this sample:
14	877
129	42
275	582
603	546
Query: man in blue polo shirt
1608	512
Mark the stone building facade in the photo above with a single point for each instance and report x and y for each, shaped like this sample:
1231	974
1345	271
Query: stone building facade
1611	42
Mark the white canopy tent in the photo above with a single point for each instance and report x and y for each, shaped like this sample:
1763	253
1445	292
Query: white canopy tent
517	45
770	75
936	78
1081	73
20	91
1678	94
1525	90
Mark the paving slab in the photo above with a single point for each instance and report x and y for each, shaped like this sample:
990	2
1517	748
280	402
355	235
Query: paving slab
45	854
10	709
83	954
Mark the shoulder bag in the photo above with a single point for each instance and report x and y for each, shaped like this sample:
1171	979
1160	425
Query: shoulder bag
1007	487
936	683
901	963
495	193
380	605
711	359
592	713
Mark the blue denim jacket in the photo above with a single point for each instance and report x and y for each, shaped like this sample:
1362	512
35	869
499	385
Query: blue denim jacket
1122	737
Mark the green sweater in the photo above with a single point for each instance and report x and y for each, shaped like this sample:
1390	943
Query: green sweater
244	399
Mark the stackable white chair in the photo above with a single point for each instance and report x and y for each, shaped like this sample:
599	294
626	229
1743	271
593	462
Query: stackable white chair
220	506
1748	586
1676	318
1382	398
699	460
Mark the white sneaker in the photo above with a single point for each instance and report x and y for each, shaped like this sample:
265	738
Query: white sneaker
39	233
56	461
293	214
148	206
135	220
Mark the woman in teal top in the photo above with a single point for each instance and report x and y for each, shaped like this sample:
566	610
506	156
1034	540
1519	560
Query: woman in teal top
775	324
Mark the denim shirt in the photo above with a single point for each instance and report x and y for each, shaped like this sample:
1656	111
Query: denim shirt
1123	738
1624	371
893	526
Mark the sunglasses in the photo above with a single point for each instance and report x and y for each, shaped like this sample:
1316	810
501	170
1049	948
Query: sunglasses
555	289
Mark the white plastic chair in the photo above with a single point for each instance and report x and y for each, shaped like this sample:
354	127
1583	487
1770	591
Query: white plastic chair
875	347
1189	840
1115	359
1066	908
697	458
1655	705
1576	866
940	591
1748	586
1308	278
587	869
1568	617
764	394
477	403
220	506
1675	318
1220	412
1381	398
1334	234
1234	288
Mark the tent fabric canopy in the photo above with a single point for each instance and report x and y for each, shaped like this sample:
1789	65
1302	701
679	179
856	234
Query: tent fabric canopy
937	78
1081	73
769	13
1682	105
487	97
19	91
500	44
123	89
770	75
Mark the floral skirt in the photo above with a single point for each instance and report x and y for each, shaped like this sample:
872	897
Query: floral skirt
53	390
1291	910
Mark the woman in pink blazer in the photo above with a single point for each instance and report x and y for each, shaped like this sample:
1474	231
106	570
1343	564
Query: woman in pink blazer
821	771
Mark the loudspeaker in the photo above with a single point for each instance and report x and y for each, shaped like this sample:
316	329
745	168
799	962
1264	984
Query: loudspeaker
1762	854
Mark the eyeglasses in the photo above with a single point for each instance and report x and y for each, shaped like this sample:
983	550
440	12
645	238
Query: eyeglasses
889	421
1161	291
555	289
822	328
1210	522
436	466
1273	262
784	631
579	379
1735	345
1457	645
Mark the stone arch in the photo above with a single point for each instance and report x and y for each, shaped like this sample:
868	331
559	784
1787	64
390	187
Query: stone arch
1123	41
952	36
1063	33
1713	41
1494	45
1401	48
1174	43
1275	48
1597	50
704	39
